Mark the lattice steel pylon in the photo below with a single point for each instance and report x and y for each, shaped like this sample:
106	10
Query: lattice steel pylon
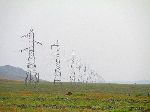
79	67
85	74
57	76
92	76
73	67
32	76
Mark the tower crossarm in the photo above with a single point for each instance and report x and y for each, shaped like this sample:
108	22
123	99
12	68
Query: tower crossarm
25	49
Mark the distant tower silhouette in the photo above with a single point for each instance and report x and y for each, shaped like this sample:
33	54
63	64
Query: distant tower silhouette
57	76
79	67
73	67
31	75
93	76
85	74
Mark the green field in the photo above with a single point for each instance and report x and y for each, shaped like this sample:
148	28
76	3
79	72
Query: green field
46	97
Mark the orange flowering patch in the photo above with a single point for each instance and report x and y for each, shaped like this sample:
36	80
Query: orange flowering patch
25	93
8	109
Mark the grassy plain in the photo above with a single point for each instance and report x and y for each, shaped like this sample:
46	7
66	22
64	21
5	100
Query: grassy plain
46	97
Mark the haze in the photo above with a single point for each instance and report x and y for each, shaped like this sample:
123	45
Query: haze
110	36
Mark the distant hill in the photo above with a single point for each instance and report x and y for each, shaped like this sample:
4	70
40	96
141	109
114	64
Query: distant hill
12	73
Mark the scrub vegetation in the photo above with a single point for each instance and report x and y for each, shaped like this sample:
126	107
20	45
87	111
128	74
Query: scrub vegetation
77	97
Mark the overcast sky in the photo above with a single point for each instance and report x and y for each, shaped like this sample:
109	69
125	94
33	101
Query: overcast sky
110	36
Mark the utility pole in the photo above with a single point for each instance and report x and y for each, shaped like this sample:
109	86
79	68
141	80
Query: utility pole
31	75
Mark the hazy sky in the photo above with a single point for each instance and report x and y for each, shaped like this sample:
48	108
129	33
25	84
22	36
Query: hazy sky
111	36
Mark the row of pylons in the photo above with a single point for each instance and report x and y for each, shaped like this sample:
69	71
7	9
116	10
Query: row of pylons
78	71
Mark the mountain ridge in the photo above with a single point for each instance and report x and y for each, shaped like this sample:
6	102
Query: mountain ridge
9	72
12	73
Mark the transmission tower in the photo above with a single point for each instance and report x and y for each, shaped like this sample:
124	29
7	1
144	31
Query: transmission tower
31	75
93	76
85	74
57	76
73	67
89	77
79	67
